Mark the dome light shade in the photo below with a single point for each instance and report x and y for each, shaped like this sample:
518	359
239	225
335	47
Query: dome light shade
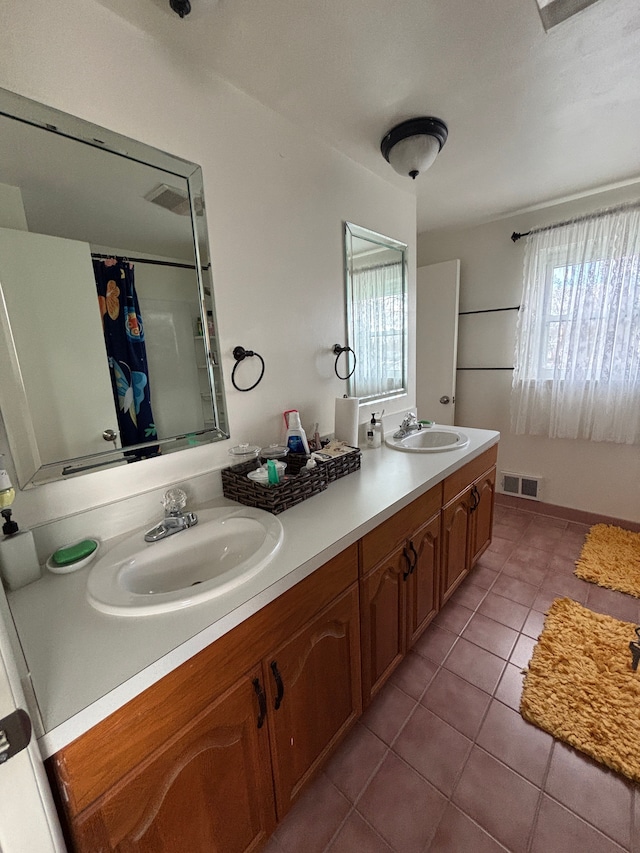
411	147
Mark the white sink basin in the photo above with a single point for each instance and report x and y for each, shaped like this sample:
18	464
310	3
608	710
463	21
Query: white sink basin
430	440
226	548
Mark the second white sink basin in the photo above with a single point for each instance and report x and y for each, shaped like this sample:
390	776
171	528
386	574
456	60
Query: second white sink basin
226	548
430	440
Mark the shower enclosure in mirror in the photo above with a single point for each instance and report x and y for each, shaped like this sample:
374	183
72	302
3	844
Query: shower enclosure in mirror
376	297
108	332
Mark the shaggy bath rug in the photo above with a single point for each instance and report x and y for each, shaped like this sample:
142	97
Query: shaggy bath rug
611	557
580	686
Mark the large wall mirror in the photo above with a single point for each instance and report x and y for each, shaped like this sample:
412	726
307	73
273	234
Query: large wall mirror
376	297
108	330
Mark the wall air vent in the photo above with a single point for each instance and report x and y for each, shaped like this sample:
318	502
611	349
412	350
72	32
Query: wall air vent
173	199
521	486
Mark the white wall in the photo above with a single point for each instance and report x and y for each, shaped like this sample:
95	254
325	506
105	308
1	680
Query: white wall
276	200
593	476
12	209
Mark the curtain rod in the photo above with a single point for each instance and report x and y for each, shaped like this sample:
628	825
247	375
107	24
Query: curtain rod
595	215
488	311
99	256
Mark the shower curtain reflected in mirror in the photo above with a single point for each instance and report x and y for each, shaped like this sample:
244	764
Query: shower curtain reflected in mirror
126	351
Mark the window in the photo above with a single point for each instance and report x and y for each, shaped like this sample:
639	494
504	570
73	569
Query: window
577	363
375	268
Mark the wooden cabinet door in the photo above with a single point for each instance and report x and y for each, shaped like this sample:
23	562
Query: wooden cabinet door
423	592
482	517
382	605
206	790
314	694
455	542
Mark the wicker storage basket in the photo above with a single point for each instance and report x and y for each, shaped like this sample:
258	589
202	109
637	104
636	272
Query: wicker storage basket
299	485
340	466
334	468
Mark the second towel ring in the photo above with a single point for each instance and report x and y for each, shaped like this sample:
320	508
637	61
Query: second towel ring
338	350
240	353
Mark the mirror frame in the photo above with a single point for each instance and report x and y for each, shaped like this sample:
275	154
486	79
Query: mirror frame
30	470
350	231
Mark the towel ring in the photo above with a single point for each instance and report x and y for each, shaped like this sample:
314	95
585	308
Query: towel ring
338	350
240	353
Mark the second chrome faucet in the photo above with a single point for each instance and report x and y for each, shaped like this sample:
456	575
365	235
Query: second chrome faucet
409	424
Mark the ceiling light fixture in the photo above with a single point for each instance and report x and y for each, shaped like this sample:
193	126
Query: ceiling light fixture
411	147
180	7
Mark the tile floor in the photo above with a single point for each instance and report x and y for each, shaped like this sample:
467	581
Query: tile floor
442	761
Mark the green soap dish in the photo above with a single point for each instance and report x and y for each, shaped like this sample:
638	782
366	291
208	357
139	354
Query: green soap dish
70	558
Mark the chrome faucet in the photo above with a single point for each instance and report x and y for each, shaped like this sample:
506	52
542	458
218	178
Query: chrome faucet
175	519
409	424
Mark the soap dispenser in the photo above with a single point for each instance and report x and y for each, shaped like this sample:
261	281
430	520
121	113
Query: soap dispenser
374	432
19	563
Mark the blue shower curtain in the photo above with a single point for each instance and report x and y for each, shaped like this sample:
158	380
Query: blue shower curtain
124	340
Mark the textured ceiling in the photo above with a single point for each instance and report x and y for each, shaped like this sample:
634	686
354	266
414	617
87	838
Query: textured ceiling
533	117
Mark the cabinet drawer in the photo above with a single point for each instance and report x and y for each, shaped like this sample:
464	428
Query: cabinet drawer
458	482
395	530
98	759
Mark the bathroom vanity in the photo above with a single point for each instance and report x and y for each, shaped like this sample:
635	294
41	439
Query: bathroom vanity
242	700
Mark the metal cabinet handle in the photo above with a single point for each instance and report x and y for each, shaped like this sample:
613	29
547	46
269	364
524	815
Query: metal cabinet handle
412	561
278	679
407	557
262	702
475	495
415	556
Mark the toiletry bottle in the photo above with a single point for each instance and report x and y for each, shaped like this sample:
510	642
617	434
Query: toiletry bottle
378	431
374	432
296	436
285	425
370	433
18	558
7	493
19	563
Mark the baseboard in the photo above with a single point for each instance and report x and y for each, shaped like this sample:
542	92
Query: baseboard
577	515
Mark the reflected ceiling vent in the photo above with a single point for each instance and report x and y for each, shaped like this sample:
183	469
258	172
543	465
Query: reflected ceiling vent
175	200
555	12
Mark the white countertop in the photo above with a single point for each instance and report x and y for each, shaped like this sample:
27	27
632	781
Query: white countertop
85	664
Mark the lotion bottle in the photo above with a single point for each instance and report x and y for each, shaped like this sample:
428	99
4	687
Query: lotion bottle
18	557
296	439
374	432
19	564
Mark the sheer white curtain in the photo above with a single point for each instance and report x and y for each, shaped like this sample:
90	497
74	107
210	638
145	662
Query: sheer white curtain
378	329
577	358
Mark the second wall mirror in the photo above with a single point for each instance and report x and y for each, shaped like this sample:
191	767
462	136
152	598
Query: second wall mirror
376	299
